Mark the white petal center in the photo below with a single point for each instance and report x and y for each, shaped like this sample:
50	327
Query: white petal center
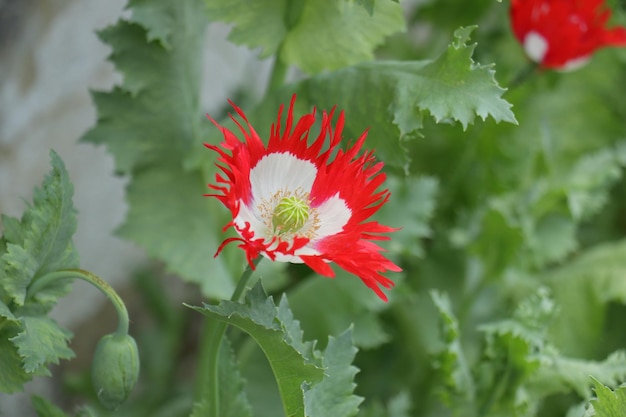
333	215
278	176
535	46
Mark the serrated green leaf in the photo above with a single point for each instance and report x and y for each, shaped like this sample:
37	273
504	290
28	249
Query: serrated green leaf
157	17
334	394
40	342
171	219
313	35
45	235
12	229
44	408
511	350
404	91
530	320
460	89
13	376
232	397
19	268
5	313
149	124
609	403
450	361
280	339
155	115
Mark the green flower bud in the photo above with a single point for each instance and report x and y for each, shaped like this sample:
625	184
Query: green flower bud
115	369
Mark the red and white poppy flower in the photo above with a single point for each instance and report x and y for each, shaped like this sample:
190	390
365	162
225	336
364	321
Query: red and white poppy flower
563	34
291	201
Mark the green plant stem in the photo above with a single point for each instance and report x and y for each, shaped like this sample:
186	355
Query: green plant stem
207	383
277	77
495	393
523	75
93	279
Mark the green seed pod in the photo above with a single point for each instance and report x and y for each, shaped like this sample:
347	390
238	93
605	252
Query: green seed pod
115	369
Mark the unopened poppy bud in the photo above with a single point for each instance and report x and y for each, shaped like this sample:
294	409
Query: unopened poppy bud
115	369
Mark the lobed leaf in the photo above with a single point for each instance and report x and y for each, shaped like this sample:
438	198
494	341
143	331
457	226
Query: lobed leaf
171	219
334	394
390	98
41	341
294	362
353	304
155	114
13	376
41	241
608	403
149	123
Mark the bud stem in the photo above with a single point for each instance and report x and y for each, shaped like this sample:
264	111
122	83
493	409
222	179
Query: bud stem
93	279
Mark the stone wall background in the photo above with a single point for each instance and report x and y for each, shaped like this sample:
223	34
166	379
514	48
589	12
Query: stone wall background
49	59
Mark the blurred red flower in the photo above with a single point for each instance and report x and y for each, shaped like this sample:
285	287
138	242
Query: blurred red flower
563	34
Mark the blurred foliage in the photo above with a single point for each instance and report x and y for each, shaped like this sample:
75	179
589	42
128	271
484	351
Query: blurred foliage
512	242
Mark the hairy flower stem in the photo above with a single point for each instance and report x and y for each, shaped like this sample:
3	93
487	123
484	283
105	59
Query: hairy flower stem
207	382
96	281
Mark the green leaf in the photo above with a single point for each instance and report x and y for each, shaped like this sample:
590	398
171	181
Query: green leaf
149	124
416	199
332	35
232	397
353	305
155	114
313	35
452	87
13	375
293	361
334	395
558	374
458	383
530	320
258	24
44	408
40	342
609	403
42	241
460	88
511	355
582	288
171	219
398	406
